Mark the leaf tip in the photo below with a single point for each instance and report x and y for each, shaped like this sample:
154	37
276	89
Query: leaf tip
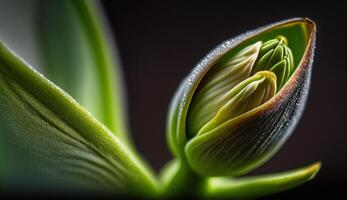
313	169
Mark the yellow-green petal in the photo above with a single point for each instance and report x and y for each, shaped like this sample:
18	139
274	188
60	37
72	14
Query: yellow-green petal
247	95
216	87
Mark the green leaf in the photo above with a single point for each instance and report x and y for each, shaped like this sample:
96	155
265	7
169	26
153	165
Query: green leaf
252	187
47	137
78	57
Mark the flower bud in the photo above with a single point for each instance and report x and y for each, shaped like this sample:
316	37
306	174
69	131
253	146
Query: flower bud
242	101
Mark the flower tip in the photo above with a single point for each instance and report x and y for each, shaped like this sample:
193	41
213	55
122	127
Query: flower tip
268	75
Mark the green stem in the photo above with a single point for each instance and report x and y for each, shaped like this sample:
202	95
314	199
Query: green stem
180	181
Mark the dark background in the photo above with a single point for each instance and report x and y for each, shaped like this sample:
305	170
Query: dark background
160	42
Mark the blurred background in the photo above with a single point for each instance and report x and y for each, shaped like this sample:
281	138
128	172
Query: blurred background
159	43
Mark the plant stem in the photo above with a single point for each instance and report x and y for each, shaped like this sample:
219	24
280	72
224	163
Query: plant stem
182	181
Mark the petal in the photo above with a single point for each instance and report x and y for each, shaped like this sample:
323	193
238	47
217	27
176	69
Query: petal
214	91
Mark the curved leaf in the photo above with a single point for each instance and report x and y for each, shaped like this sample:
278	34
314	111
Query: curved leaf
252	187
78	57
47	137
